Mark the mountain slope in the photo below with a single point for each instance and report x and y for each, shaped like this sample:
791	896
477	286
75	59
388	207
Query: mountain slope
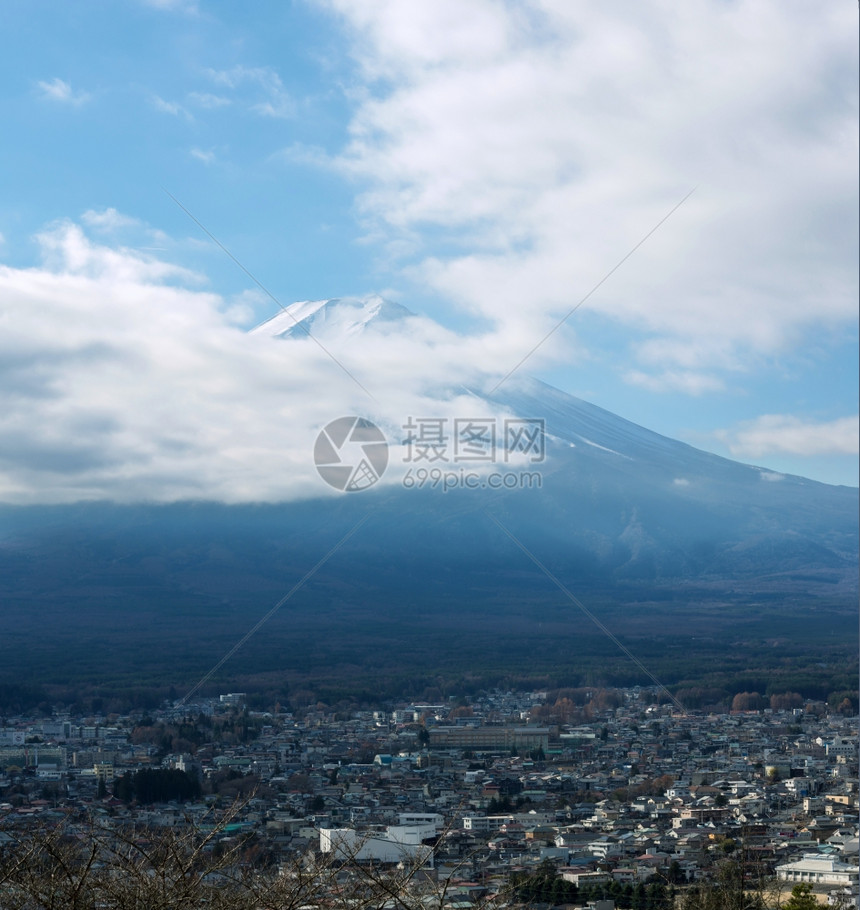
679	503
684	554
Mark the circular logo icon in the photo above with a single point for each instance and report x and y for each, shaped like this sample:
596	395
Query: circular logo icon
351	453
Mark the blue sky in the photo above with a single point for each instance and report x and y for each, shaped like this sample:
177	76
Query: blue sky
485	164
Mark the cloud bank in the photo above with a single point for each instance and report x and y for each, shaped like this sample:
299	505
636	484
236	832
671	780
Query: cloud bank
784	433
125	378
542	140
507	157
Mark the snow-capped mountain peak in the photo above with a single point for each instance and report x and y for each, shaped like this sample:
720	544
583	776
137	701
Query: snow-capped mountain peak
335	318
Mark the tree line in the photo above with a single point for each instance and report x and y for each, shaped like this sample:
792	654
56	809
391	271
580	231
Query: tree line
157	785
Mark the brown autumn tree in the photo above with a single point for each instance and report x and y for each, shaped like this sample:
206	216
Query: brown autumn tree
748	701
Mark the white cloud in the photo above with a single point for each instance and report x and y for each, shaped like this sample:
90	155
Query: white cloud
174	6
61	91
207	100
174	108
109	220
687	381
134	233
542	140
279	105
301	153
691	354
207	156
229	78
66	249
771	476
124	380
788	434
259	87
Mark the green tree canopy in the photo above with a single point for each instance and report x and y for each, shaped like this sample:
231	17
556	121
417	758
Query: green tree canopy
801	898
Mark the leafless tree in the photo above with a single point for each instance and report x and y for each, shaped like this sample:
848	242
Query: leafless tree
102	865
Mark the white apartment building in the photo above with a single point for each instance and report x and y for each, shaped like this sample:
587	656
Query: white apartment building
816	869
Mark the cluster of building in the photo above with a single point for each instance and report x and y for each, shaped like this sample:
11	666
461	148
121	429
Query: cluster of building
624	791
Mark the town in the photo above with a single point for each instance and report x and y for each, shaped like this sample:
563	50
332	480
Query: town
585	797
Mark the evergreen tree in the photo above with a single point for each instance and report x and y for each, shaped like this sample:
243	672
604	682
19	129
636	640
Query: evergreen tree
802	898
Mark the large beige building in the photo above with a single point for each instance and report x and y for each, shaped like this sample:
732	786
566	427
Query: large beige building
490	739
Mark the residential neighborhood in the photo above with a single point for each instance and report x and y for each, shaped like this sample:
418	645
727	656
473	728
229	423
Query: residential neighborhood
609	791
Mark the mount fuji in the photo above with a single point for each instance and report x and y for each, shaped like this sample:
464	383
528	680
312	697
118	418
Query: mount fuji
686	555
620	501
